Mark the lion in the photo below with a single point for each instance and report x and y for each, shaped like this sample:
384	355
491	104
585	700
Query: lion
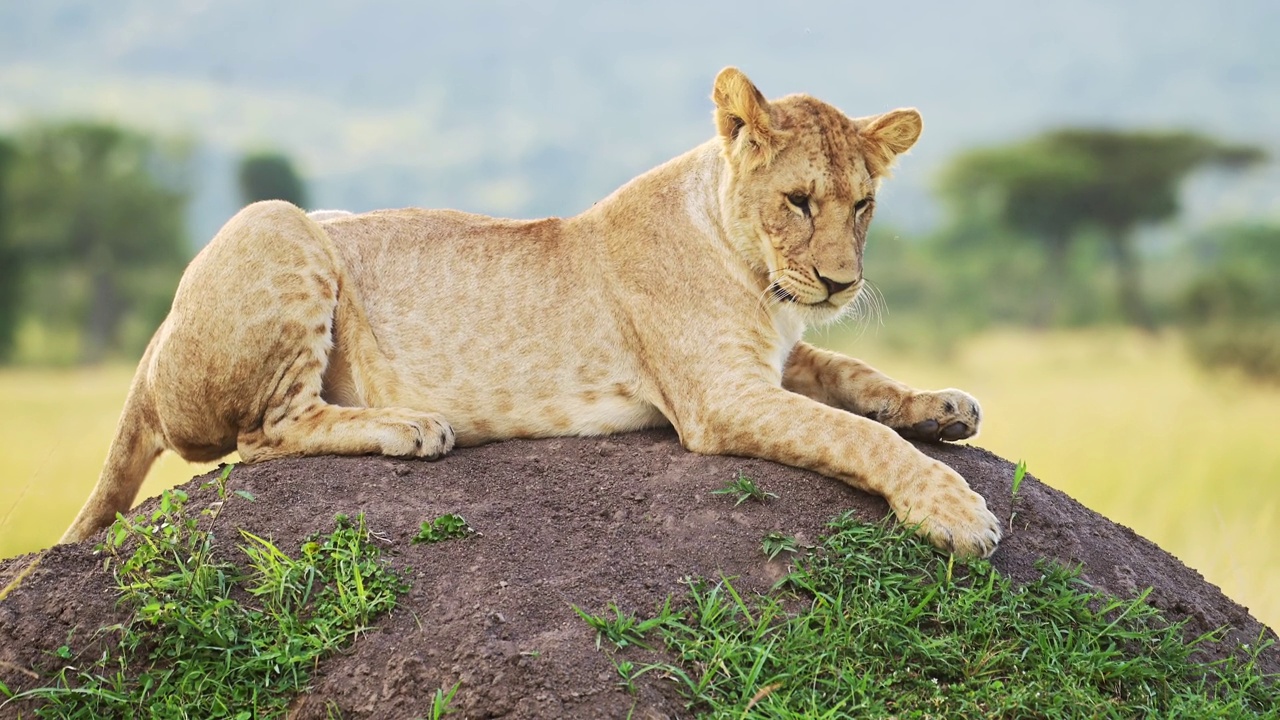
681	299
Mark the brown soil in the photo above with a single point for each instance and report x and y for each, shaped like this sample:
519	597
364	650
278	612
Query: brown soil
572	522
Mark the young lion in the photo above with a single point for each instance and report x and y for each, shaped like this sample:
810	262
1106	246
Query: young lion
681	299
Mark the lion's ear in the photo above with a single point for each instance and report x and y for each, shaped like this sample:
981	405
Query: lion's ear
742	115
889	135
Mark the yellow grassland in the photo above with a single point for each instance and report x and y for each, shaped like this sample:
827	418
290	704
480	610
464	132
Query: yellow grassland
55	427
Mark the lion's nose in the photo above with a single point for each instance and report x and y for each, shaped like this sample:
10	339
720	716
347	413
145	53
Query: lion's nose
834	287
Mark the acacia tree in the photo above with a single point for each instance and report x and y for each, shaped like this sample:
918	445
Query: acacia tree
1055	186
100	207
270	176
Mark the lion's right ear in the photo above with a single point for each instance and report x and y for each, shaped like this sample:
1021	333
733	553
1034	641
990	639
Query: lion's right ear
742	116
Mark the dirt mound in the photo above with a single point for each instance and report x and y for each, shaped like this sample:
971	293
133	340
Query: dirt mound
571	522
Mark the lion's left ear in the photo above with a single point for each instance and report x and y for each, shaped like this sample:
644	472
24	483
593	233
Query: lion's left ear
889	135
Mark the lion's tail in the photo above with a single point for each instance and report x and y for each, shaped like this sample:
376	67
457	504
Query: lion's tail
139	440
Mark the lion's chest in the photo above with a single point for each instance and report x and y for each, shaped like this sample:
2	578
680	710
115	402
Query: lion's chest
790	327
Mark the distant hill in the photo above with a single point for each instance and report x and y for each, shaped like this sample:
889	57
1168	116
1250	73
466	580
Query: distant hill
530	109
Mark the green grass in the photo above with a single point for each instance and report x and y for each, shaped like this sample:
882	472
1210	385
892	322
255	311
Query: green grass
208	639
1019	474
446	527
776	543
742	489
442	702
622	629
875	624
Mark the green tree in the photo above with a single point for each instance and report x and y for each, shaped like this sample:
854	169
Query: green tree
270	176
1238	266
1231	310
1055	186
99	225
10	260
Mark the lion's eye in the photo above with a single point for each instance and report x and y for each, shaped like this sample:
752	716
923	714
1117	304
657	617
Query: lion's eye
800	201
862	204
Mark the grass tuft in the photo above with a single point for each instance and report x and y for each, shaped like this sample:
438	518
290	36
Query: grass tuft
1019	474
891	629
623	629
442	702
776	543
743	488
445	527
207	639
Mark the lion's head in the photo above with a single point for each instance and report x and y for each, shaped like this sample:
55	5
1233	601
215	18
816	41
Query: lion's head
799	188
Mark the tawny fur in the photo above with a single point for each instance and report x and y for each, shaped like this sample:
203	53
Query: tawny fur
679	299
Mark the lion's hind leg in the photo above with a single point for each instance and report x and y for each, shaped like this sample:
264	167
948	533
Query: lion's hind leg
312	305
311	426
240	362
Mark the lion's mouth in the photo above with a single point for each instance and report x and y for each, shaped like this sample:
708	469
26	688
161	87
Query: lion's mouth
781	294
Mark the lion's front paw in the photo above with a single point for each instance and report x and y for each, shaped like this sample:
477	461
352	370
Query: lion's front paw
405	433
939	415
951	515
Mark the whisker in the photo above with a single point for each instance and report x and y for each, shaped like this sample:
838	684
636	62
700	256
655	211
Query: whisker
771	295
862	315
881	305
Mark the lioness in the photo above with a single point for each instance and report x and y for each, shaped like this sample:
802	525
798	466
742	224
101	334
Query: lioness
681	298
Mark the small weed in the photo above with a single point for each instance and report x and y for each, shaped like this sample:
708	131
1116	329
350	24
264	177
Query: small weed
743	489
1019	473
445	527
776	543
627	670
442	702
623	629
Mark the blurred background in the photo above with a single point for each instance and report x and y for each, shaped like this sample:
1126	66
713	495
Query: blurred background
1086	237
